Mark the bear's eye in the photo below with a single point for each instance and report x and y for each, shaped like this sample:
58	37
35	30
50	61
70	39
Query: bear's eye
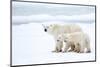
57	40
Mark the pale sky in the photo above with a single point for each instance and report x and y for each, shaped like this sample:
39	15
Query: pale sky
26	12
26	8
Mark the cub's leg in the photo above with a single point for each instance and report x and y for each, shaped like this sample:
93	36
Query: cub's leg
72	47
58	47
67	46
77	48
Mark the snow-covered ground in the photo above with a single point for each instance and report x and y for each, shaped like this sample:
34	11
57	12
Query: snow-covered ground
31	45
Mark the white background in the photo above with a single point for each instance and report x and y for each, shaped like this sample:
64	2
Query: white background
5	33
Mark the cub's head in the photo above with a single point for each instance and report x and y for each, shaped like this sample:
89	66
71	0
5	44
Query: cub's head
59	38
66	38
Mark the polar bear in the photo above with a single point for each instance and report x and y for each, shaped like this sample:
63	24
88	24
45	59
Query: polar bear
57	29
79	39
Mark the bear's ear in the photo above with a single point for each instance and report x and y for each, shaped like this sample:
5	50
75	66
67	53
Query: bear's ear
55	26
51	25
43	25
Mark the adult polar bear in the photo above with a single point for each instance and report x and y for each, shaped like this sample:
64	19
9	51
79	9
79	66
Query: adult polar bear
79	39
57	29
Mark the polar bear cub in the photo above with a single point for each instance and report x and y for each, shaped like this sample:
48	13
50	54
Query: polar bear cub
59	44
79	39
57	29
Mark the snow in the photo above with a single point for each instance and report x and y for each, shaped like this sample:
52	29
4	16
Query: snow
31	45
46	17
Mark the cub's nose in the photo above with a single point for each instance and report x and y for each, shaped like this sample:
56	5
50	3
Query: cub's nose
45	30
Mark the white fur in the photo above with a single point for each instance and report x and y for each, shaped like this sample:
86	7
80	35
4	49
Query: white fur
55	30
79	39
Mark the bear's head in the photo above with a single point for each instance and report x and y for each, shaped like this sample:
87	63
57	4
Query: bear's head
50	28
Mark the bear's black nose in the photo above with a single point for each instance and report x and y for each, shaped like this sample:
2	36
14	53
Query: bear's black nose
45	30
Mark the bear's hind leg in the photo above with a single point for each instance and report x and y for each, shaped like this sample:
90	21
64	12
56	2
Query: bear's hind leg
88	50
88	47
